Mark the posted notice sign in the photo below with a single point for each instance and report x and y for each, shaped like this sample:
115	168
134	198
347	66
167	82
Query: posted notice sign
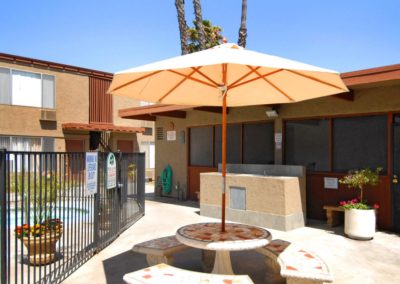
331	183
111	171
91	173
171	135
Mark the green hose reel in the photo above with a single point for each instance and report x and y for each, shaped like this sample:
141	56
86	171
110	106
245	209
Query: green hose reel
166	179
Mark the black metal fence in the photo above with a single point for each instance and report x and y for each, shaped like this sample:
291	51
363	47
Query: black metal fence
50	225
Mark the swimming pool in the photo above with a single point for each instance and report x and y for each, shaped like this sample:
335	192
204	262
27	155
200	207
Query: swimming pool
65	214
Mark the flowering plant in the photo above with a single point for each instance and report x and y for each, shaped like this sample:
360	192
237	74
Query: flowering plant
355	204
50	226
358	179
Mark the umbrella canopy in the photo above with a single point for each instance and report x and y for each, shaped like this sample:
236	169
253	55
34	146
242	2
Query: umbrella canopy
251	78
226	75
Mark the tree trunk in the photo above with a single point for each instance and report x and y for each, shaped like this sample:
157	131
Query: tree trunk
199	24
180	9
243	29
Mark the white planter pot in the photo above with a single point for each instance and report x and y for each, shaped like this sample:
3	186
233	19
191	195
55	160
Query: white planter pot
359	224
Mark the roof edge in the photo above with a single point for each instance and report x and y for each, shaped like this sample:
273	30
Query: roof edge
370	71
372	75
101	127
54	66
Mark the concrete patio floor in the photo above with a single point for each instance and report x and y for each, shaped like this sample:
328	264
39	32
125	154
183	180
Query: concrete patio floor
375	261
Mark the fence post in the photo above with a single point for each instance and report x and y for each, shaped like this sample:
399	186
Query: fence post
3	253
97	207
141	177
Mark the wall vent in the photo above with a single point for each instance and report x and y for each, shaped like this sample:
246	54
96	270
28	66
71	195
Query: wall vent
48	115
148	131
160	133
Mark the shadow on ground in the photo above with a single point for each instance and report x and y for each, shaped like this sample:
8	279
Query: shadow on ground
321	225
172	200
243	262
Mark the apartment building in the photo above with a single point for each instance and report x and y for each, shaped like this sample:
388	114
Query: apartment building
48	106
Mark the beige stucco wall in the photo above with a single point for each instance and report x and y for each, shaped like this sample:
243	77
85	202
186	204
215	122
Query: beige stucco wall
275	202
72	105
274	195
120	102
366	100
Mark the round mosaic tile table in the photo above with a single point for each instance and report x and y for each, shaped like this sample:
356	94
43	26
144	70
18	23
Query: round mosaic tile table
236	237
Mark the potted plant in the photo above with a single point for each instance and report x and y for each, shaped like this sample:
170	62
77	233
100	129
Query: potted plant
41	230
360	217
40	240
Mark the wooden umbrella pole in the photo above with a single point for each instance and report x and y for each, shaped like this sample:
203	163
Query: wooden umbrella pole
223	160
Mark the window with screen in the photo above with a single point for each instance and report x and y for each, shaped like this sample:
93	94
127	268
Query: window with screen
233	144
307	144
258	143
26	88
360	142
201	146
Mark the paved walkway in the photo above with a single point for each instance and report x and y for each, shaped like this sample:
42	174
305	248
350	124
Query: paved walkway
376	261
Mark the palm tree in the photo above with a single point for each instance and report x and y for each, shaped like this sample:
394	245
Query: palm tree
180	9
212	36
199	24
243	29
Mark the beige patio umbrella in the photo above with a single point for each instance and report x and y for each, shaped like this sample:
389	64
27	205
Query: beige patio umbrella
226	75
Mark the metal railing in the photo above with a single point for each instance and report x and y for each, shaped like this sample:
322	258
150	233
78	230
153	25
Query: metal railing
49	225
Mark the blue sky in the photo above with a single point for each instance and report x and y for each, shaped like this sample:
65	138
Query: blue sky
343	35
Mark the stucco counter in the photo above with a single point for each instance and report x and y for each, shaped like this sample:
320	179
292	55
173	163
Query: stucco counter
276	202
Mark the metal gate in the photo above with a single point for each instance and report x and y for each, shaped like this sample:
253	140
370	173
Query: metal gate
49	225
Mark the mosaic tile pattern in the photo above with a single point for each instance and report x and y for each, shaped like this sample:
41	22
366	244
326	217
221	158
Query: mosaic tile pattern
297	263
165	274
300	261
277	246
161	243
211	232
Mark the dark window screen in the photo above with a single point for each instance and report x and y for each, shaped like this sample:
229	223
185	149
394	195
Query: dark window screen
233	143
201	146
307	144
359	142
258	143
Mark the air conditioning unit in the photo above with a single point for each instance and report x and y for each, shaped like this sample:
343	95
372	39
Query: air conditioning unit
48	115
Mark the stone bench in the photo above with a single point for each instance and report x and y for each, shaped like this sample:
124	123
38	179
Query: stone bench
166	274
295	264
160	250
334	215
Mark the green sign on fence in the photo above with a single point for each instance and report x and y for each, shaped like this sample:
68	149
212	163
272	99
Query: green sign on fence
111	171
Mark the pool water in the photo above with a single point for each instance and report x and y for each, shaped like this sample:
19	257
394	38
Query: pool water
16	218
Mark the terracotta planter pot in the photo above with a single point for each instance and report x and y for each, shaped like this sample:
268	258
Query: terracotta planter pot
360	224
41	249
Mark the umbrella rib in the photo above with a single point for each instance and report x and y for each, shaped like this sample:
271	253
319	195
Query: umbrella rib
176	86
208	78
278	89
257	78
315	79
274	86
243	77
191	78
138	79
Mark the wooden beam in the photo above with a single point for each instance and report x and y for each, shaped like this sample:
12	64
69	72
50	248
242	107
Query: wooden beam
211	109
348	96
176	114
153	116
147	117
150	109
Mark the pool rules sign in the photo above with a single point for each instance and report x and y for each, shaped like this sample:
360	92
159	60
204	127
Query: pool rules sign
91	173
111	171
